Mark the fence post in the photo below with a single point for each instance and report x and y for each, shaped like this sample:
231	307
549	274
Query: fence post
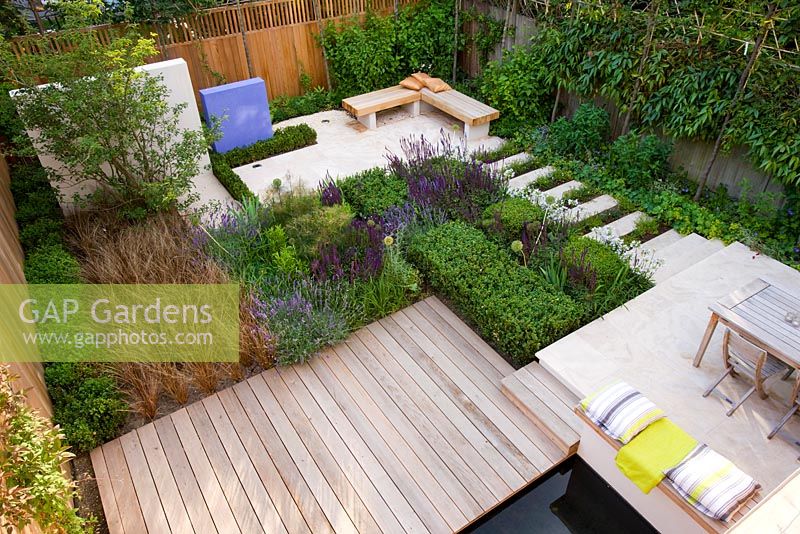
318	16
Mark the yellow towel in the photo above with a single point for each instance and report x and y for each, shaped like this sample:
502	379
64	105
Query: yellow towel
659	447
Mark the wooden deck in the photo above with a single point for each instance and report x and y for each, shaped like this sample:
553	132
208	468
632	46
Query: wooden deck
403	427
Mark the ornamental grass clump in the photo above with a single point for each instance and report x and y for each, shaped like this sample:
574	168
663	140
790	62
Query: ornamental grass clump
446	178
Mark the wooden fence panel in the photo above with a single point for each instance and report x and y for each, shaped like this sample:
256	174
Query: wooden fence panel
275	60
309	53
31	375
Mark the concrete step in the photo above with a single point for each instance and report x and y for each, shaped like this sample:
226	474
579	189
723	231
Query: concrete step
510	160
504	163
523	180
593	207
621	227
546	402
684	253
557	193
662	241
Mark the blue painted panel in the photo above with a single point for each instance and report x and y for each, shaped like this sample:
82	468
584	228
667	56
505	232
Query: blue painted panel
243	110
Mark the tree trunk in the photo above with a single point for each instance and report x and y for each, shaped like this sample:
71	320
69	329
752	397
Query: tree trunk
555	104
748	69
318	16
455	40
244	39
637	84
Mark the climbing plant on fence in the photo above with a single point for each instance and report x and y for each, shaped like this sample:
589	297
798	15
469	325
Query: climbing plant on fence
675	66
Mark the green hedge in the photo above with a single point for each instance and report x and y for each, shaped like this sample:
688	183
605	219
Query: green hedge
508	216
510	305
284	140
52	264
373	191
605	261
87	405
227	177
41	223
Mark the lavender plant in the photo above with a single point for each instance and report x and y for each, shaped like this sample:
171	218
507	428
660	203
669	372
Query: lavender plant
445	177
304	315
329	192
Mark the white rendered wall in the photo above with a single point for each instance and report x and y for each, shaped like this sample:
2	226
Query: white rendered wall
175	76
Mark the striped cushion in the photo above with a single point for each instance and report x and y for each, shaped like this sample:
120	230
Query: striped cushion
711	483
620	411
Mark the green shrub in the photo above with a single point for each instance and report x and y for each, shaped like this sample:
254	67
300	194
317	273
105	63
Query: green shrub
581	137
86	404
52	264
10	123
322	226
380	51
313	101
373	191
35	487
510	304
228	178
27	178
361	57
599	278
41	233
604	260
507	217
38	204
283	140
517	87
639	161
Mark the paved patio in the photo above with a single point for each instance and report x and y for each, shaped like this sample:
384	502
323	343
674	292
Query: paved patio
650	343
402	428
344	146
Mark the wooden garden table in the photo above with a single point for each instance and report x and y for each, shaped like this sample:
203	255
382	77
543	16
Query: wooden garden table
757	313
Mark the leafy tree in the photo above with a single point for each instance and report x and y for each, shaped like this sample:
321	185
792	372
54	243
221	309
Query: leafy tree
12	23
111	130
32	485
163	10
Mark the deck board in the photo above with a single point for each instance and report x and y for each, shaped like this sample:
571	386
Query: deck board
401	428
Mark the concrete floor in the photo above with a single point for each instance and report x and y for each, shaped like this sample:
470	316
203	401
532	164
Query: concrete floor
345	147
651	342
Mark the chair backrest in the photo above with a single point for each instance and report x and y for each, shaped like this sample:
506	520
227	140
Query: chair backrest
740	349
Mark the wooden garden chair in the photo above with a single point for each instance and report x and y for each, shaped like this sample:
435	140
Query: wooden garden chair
741	356
795	406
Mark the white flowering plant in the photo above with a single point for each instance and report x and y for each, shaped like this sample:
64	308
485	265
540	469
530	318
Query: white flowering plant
641	259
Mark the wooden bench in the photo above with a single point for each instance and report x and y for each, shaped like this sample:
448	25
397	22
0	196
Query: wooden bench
707	524
365	107
475	115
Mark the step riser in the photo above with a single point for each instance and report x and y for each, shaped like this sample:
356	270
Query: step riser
683	254
565	448
620	227
522	181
